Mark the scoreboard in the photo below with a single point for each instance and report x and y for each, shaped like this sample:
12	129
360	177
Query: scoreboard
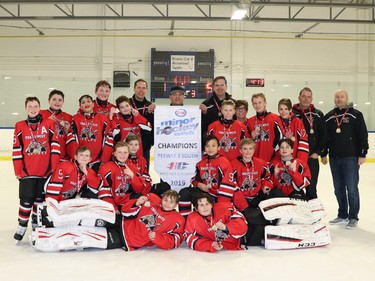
194	71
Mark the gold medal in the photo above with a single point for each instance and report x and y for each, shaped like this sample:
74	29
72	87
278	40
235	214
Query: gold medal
257	129
338	131
208	186
226	149
219	114
293	138
311	131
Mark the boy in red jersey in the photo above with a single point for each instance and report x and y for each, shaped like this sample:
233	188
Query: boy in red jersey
61	118
36	152
291	175
229	131
213	227
101	105
71	179
213	175
120	179
264	129
292	128
128	122
252	175
92	130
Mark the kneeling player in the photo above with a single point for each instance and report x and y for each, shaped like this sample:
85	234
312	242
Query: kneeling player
213	227
147	221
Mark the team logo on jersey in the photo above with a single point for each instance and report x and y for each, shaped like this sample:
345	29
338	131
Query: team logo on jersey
89	134
285	178
220	235
264	135
227	142
36	147
122	189
248	184
210	179
149	221
69	194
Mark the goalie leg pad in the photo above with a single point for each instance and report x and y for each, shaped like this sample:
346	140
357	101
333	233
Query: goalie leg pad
292	211
68	238
74	211
296	236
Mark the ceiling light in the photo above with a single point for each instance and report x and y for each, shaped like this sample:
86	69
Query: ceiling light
239	14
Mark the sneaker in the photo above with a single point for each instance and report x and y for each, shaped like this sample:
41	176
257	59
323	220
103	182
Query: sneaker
339	220
352	224
20	232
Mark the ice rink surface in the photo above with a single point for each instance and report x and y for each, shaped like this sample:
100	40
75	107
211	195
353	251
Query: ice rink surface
351	256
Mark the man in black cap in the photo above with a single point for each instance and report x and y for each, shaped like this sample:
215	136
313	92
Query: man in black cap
177	95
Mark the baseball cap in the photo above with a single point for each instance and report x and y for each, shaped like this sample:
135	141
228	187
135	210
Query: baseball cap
176	89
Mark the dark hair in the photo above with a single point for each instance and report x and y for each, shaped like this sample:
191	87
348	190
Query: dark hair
56	92
29	99
242	102
140	80
202	195
218	78
288	141
85	96
102	83
211	137
122	99
286	102
307	89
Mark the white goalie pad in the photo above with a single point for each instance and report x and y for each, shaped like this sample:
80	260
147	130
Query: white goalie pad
80	211
68	238
292	211
296	236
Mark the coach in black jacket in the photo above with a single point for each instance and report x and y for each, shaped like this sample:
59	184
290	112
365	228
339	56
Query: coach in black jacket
347	148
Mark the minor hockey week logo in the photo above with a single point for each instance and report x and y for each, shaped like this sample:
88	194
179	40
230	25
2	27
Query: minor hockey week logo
177	127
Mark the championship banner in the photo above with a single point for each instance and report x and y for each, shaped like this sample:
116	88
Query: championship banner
177	147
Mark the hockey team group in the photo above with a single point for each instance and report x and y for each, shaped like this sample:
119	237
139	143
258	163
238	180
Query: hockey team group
85	182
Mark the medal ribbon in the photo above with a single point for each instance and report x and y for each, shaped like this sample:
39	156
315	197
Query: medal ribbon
342	118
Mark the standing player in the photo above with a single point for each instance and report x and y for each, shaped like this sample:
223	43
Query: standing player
264	129
314	122
229	131
36	152
242	107
292	128
61	118
101	104
92	130
127	122
213	227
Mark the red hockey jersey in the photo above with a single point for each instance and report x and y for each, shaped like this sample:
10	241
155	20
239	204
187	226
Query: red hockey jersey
67	180
129	126
138	221
251	177
216	172
229	136
92	131
269	135
287	180
117	185
296	129
103	109
36	149
62	136
199	234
